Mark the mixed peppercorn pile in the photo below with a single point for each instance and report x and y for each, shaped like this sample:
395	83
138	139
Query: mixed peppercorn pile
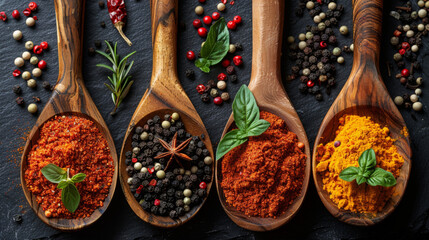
168	169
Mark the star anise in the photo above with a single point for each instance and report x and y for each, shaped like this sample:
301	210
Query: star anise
174	151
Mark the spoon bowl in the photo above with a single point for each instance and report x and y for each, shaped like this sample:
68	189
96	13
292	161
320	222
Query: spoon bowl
70	97
266	86
165	95
365	94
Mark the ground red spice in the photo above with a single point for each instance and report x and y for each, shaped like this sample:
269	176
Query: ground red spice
264	175
76	143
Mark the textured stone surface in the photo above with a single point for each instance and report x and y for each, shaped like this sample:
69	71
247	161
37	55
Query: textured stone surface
119	222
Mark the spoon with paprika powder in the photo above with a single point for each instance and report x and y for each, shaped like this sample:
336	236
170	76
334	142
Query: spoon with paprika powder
69	97
164	96
365	94
266	86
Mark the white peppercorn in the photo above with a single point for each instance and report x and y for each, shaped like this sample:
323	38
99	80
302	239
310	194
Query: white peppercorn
414	15
309	5
208	160
427	4
421	27
34	60
321	26
175	116
224	96
397	57
143	170
26	75
165	124
422	13
417	106
31	83
221	85
199	10
414	98
290	39
186	208
17	35
302	45
309	35
415	48
160	174
301	36
187	192
181	171
306	72
30	21
129	180
37	72
138	166
136	150
352	47
336	51
406	28
26	55
322	15
19	62
394	41
340	60
421	3
29	45
410	33
144	136
232	48
399	100
344	30
157	166
188	172
419	80
317	19
221	7
332	6
186	200
32	108
418	91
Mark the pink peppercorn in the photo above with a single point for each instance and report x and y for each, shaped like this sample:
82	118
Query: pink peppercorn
405	72
15	14
197	23
201	88
217	100
215	16
225	63
221	77
202	32
238	60
231	25
237	19
203	185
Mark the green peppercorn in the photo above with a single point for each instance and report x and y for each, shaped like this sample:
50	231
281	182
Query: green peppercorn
336	51
194	169
187	201
397	57
34	60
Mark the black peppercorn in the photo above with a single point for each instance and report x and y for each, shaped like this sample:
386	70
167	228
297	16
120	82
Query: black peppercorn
102	24
91	51
238	46
319	97
17	89
205	97
190	73
233	78
230	70
19	100
302	88
101	4
17	218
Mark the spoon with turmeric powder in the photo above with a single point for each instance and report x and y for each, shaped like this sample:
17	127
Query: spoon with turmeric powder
266	86
365	95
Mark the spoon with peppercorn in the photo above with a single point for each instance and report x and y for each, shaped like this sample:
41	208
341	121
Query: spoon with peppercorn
70	97
166	98
266	86
365	94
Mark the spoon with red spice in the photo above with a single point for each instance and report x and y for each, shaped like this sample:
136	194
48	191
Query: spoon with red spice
164	96
69	97
266	86
365	94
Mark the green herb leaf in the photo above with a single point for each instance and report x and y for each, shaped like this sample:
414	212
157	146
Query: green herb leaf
228	142
258	127
381	177
63	184
244	108
367	161
78	177
360	179
54	173
120	80
70	197
215	47
349	174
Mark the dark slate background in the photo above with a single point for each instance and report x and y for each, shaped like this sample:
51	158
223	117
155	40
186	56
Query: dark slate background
313	221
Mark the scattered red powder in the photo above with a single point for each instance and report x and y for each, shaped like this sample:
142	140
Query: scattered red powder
264	175
75	143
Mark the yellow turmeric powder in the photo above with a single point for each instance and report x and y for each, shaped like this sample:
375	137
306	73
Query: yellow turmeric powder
355	135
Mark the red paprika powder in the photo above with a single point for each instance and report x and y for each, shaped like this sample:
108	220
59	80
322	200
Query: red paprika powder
75	143
264	175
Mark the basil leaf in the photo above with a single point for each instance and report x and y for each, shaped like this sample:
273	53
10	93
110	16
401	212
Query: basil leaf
381	177
70	197
228	142
258	127
63	184
215	47
78	177
367	161
349	174
244	108
360	179
203	64
54	173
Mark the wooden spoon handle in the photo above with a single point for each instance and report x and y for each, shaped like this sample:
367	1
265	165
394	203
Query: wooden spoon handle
367	18
164	41
267	38
69	15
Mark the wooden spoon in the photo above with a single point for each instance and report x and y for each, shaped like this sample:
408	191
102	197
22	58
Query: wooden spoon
266	85
165	95
365	94
69	97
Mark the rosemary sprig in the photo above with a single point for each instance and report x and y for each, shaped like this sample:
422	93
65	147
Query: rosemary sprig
120	83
